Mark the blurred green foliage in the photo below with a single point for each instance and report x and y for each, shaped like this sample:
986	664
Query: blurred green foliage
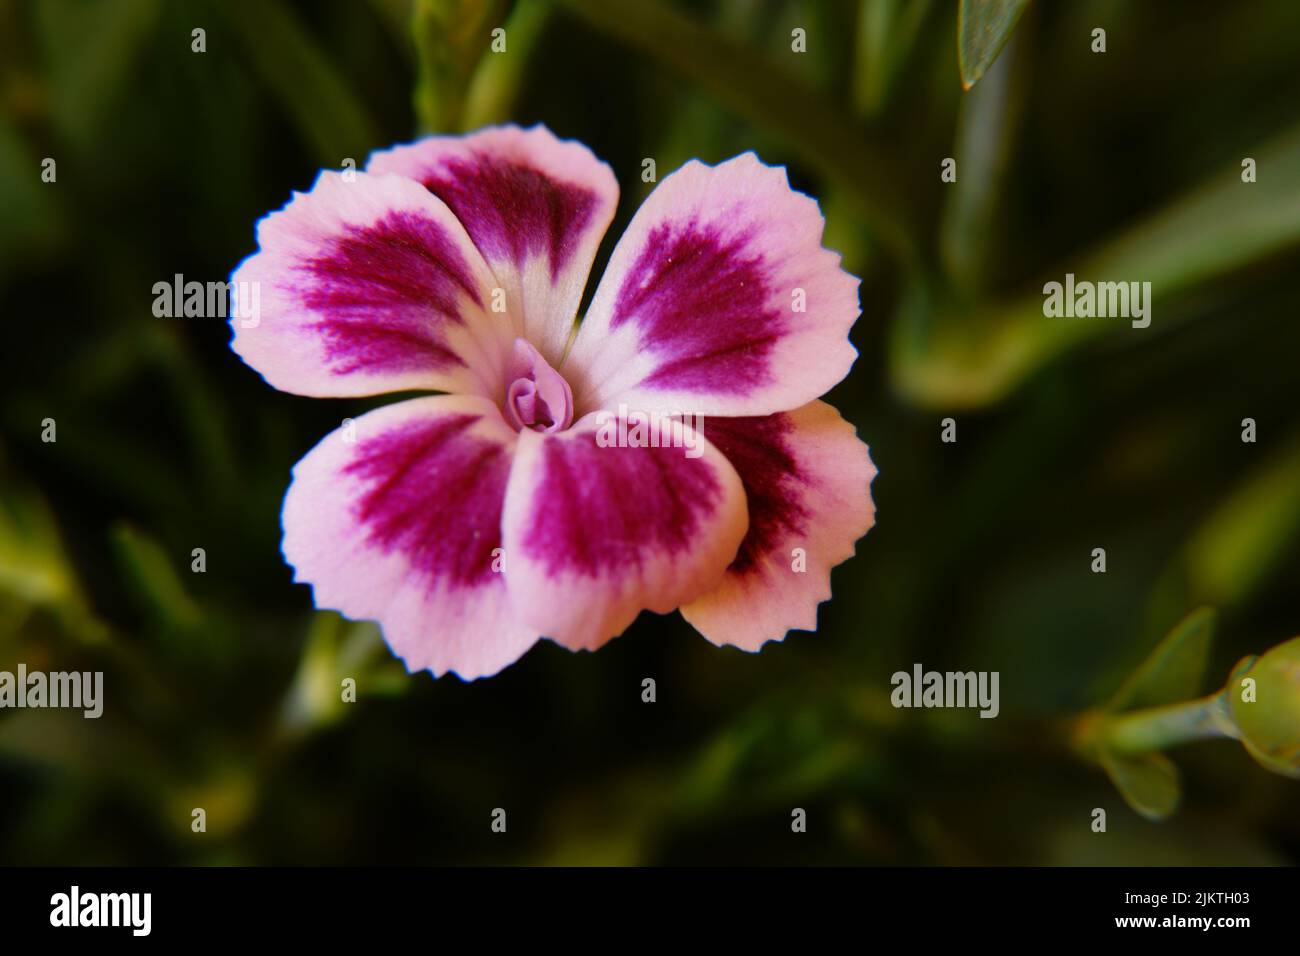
222	686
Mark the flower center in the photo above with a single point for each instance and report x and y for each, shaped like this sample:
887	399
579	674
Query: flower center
538	397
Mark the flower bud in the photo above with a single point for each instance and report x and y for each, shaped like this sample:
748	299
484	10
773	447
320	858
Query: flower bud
1263	697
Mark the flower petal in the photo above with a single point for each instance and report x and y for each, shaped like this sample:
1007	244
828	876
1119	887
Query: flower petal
807	478
719	300
401	524
594	534
536	206
364	286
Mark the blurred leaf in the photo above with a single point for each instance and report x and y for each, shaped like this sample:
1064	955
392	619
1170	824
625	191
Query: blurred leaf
319	101
1148	782
151	573
35	571
90	50
494	86
870	173
1187	841
33	566
1248	534
32	216
606	822
226	790
107	750
986	132
775	754
983	29
451	37
336	648
1174	670
887	32
203	413
58	740
964	359
395	15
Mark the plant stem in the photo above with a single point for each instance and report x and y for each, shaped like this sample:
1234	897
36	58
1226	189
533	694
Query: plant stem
1160	727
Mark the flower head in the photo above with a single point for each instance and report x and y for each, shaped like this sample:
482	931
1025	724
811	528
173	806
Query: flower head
473	522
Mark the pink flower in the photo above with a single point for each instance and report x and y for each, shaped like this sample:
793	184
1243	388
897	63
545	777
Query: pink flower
471	523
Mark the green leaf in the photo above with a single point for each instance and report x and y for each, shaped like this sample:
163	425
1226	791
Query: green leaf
335	649
494	87
886	35
34	569
151	572
1148	782
774	754
451	37
983	29
1249	535
316	97
986	132
91	50
33	218
1174	670
963	358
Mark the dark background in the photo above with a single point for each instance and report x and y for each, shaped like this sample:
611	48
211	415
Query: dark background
221	687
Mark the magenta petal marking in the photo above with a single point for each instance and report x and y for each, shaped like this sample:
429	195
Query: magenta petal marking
603	509
435	494
758	449
512	211
387	290
701	303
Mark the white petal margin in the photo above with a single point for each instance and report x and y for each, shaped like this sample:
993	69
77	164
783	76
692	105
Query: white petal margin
396	518
718	300
808	477
366	285
536	206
